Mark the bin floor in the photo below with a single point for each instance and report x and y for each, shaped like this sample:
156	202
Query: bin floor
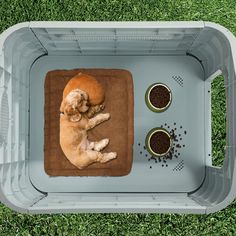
187	115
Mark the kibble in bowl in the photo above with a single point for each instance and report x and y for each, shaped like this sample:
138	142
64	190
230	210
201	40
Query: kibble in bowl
158	97
158	142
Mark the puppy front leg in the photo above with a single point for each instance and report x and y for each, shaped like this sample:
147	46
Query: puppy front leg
94	109
97	120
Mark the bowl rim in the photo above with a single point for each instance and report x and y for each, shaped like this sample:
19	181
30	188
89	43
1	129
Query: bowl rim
148	137
149	103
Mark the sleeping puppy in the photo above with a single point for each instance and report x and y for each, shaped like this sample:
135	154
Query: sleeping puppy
74	124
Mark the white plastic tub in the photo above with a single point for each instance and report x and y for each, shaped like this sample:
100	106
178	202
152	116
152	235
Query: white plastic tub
185	55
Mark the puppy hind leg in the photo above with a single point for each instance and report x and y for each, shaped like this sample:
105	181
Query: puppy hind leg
91	145
87	158
107	157
98	146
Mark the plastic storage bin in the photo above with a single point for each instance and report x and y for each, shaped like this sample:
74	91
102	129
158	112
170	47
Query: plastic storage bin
185	55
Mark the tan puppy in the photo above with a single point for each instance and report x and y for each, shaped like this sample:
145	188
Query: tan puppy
74	124
92	87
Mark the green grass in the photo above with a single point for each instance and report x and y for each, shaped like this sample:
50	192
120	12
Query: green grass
221	223
218	99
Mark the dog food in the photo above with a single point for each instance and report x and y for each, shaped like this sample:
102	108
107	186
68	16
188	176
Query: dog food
159	96
160	142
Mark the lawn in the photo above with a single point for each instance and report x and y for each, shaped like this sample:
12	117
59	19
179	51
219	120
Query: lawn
221	223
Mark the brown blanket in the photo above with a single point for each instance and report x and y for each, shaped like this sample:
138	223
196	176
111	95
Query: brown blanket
118	85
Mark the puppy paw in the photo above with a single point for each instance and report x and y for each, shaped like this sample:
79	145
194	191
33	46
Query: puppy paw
102	107
101	144
105	141
106	116
112	155
108	156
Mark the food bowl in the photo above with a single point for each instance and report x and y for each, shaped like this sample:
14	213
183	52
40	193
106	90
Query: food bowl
158	142
158	97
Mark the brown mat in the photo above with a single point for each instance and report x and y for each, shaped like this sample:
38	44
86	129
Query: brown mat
119	129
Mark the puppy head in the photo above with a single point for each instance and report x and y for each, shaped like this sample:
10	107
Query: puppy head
75	103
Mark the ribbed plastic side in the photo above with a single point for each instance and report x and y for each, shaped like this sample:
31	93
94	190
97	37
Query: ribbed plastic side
116	41
215	47
20	49
107	202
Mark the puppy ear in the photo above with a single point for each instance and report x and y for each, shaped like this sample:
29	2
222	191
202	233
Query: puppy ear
71	113
75	118
84	95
